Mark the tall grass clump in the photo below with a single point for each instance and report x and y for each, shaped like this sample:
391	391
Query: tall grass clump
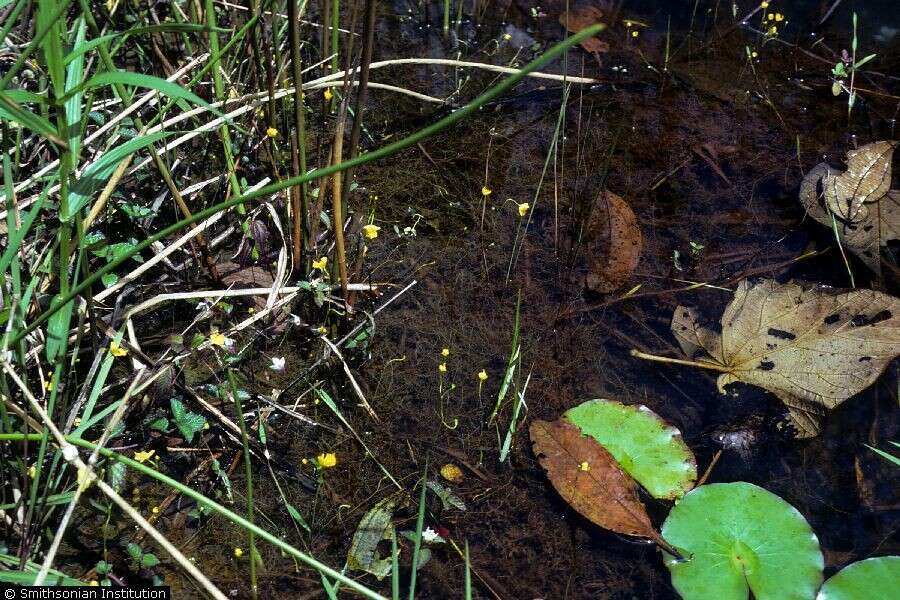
133	141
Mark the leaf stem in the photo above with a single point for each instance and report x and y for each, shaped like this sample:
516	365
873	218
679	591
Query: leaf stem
680	361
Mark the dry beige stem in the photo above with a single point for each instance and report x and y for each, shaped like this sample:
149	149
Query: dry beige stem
813	347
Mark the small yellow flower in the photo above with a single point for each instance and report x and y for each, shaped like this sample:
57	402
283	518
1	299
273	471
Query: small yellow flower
77	421
773	30
304	461
442	367
272	132
328	95
584	466
49	384
371	231
770	17
754	54
482	375
445	352
764	5
155	510
144	455
326	460
322	329
320	264
217	339
238	552
93	583
635	33
779	17
452	473
117	350
507	37
485	191
523	209
32	471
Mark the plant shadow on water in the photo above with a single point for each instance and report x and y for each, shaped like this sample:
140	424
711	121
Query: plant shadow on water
707	157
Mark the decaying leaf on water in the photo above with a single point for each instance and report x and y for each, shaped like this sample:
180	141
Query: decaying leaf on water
614	244
813	347
580	18
588	477
860	201
375	526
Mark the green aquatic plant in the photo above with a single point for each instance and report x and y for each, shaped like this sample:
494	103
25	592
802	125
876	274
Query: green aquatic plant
871	579
645	446
739	539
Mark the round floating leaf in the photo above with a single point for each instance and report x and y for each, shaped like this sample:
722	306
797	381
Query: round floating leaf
872	579
646	447
737	538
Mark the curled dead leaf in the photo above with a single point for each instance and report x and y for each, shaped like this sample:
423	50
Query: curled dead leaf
859	200
614	242
587	477
813	347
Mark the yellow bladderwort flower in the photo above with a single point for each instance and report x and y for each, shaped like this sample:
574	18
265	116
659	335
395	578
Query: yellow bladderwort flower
634	33
238	552
507	37
320	264
155	510
482	375
32	471
49	385
764	5
117	350
779	17
217	339
328	95
326	460
584	466
371	231
322	329
445	352
754	54
144	455
485	191
523	209
272	132
770	16
442	367
773	30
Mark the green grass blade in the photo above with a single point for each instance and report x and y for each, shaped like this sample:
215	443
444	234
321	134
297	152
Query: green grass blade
885	455
96	175
168	88
74	75
420	522
11	111
385	151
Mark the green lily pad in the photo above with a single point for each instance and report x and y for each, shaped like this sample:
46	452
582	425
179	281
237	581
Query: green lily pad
737	538
645	446
871	579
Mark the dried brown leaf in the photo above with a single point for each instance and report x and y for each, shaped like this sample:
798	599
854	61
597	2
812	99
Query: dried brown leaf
866	210
813	347
587	477
581	17
616	241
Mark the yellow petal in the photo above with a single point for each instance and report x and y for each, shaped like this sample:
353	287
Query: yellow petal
144	456
485	191
452	473
326	460
328	95
445	352
482	375
117	350
272	132
371	231
217	339
523	209
321	263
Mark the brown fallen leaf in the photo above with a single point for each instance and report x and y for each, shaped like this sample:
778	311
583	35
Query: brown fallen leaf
616	241
581	17
859	200
813	347
587	477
